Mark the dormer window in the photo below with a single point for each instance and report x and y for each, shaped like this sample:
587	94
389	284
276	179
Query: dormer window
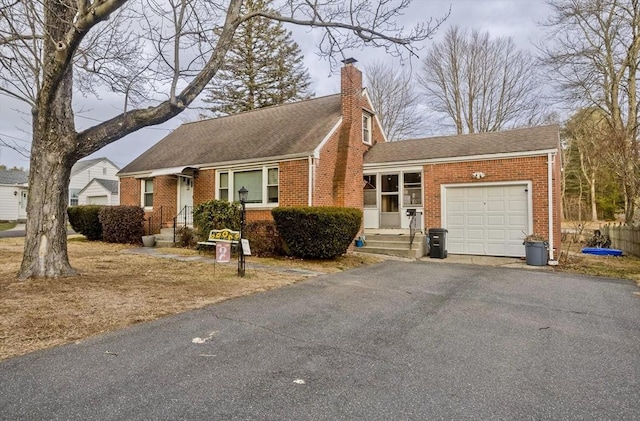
366	128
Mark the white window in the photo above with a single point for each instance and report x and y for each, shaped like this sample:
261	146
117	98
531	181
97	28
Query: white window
366	128
370	191
412	189
262	185
147	193
73	197
272	185
223	190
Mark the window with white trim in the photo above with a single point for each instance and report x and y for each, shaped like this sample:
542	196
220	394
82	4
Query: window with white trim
412	188
370	191
272	185
147	193
366	128
223	190
262	185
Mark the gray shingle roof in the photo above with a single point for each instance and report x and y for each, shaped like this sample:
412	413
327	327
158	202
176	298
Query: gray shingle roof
81	165
510	141
13	177
272	132
110	185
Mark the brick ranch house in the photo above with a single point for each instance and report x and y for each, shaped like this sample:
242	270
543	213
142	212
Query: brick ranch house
489	190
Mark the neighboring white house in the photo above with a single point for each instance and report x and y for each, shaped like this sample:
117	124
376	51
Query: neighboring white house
13	195
100	192
83	172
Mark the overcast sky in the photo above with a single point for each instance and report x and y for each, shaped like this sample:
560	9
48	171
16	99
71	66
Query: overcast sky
515	18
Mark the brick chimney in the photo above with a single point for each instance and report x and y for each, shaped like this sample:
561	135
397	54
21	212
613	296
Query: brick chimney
351	90
347	181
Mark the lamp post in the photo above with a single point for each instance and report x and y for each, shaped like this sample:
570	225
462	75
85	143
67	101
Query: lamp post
242	194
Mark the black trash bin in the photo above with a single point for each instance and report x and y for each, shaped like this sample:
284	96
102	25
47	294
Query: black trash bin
438	243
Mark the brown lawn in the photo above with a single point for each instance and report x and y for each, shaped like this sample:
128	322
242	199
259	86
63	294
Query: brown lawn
117	289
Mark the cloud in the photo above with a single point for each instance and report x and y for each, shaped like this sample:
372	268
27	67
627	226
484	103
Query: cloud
515	18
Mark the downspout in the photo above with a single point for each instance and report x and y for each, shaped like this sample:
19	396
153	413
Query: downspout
550	159
310	189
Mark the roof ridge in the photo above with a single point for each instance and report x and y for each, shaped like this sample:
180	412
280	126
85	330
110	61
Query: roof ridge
270	107
477	134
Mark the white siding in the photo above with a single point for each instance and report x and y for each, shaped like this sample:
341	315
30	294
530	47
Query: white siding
10	204
96	190
103	169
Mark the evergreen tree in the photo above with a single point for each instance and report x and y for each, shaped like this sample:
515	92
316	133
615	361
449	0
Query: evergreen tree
263	68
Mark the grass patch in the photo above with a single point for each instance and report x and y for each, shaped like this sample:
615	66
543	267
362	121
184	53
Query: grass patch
622	267
7	225
117	289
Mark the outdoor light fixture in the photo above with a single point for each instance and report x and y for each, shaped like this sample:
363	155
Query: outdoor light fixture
15	192
242	194
478	175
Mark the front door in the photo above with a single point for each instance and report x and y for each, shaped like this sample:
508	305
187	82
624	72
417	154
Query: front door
389	201
185	192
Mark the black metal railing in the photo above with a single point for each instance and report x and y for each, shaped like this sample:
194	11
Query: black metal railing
183	218
412	229
153	222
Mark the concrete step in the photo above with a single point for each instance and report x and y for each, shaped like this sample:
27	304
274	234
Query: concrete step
394	245
400	252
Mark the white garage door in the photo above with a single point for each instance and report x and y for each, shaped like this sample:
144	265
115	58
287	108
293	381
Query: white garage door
489	220
97	200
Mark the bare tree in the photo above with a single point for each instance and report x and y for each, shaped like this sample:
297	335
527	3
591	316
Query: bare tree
593	53
587	133
159	56
478	84
395	100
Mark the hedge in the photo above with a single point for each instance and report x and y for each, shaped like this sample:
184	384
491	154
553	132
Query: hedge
85	220
122	224
317	232
264	239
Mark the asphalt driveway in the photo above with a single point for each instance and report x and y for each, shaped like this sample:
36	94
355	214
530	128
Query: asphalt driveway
397	340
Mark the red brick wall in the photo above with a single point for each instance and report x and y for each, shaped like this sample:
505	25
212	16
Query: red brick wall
130	194
204	186
532	169
293	183
165	194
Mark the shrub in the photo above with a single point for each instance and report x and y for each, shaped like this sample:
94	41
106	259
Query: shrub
186	237
84	220
216	215
264	239
122	224
317	232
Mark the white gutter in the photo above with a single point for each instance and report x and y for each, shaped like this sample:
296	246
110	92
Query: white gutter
550	160
485	157
316	151
310	189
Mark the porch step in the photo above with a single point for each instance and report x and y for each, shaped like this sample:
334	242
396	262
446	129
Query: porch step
165	238
393	245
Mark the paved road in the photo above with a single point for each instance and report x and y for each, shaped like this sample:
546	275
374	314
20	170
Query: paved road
397	340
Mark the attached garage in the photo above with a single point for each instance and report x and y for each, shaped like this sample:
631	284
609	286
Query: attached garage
487	219
488	190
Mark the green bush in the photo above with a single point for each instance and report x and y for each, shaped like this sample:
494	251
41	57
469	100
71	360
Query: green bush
122	224
84	220
317	232
216	215
264	239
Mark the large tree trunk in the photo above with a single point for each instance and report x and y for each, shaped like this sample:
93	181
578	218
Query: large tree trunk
52	156
45	248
